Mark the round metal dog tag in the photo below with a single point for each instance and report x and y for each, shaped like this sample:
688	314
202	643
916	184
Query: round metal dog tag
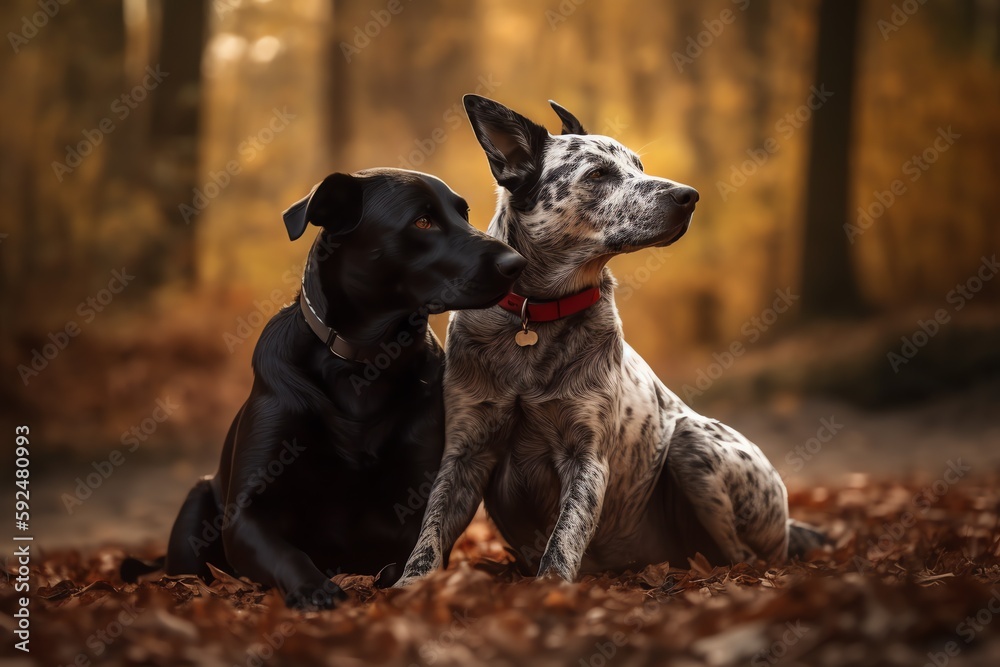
526	338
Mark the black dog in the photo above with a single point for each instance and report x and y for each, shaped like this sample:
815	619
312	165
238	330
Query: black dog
345	417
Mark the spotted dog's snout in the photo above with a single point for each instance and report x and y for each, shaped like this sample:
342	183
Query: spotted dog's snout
675	204
677	200
684	196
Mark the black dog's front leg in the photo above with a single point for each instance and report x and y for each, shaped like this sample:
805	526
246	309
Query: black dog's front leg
258	552
254	538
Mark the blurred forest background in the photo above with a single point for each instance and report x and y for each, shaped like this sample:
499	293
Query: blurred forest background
162	139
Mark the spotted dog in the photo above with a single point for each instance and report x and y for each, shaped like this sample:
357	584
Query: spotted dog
584	459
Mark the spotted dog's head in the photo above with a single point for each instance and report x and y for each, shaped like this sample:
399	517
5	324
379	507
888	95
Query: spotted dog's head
570	202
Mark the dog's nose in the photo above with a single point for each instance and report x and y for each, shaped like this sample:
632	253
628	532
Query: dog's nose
510	264
684	196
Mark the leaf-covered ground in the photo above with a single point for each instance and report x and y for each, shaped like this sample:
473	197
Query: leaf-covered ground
912	578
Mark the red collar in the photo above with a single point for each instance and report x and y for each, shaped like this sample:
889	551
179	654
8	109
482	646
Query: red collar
548	311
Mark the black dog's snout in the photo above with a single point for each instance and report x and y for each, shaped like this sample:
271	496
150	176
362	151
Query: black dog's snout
684	196
510	264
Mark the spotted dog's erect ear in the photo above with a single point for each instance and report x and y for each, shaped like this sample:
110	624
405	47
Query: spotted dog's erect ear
513	144
570	125
336	204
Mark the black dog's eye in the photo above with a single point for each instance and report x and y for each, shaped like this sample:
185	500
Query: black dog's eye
595	174
423	222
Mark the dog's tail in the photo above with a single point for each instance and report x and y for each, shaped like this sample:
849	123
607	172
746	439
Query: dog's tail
133	568
803	538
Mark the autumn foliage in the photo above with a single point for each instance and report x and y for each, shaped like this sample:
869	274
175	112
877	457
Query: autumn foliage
909	575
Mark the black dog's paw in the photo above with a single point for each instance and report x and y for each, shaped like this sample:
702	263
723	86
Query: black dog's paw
311	597
388	575
133	568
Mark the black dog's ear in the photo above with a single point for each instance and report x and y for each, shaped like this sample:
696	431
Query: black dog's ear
570	124
335	204
512	143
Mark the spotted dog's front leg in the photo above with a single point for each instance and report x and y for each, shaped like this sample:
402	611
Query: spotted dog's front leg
584	481
458	489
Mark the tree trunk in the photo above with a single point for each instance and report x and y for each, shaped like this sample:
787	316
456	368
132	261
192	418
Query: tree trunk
174	131
758	19
829	288
338	89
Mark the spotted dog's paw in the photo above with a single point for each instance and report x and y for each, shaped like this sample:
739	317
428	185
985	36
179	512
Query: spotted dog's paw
422	562
407	580
411	576
554	566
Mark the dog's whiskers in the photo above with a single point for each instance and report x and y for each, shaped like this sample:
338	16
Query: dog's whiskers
642	151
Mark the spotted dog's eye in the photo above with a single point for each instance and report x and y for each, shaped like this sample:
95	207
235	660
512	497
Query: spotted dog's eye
423	222
594	174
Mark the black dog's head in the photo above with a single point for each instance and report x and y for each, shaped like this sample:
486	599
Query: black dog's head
401	240
582	198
